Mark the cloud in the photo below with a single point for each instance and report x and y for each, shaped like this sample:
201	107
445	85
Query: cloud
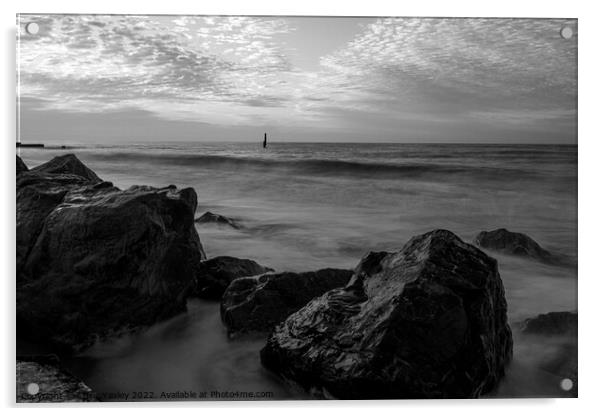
235	70
110	59
495	62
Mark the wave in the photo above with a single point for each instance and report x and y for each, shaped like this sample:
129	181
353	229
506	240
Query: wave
325	167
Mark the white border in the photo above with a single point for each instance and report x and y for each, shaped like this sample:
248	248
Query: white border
590	274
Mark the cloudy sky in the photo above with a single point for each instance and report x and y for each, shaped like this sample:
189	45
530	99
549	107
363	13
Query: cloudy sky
160	78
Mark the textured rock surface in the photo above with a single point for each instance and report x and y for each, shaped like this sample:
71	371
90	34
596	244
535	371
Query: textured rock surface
259	303
216	274
93	260
54	385
428	321
69	164
512	243
552	323
211	218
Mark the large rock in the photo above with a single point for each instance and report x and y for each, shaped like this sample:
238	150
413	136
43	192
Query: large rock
428	321
69	164
93	260
43	382
21	166
259	303
512	243
552	323
216	274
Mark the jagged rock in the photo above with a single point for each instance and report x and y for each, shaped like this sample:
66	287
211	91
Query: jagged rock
21	166
259	303
52	383
93	260
552	323
67	164
216	274
210	217
428	321
512	243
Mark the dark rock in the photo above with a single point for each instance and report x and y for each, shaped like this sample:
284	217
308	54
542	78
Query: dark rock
69	164
557	334
428	321
259	303
93	260
54	384
552	323
216	274
512	243
210	217
21	166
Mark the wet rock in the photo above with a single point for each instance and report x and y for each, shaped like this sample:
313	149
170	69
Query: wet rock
428	321
67	164
50	384
512	243
94	261
552	323
217	273
259	303
21	166
211	218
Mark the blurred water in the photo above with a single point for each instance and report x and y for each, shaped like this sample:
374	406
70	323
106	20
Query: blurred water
307	206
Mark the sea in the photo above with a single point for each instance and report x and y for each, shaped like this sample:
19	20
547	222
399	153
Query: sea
306	206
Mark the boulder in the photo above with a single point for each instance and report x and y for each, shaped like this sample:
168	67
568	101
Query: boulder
53	384
552	323
259	303
21	166
512	243
211	218
93	260
428	321
217	273
67	164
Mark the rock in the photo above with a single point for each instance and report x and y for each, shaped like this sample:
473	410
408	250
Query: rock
512	243
94	261
216	274
428	321
210	217
67	164
54	384
21	166
557	332
552	323
259	303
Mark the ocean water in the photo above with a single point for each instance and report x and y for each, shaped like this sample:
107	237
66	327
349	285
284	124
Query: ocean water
305	206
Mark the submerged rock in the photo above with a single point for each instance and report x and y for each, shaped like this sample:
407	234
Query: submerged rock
210	217
428	321
21	166
512	243
259	303
216	274
93	260
552	323
45	382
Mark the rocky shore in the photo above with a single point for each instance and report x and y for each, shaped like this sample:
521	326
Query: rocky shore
95	261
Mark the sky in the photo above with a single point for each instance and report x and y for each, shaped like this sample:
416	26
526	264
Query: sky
94	78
